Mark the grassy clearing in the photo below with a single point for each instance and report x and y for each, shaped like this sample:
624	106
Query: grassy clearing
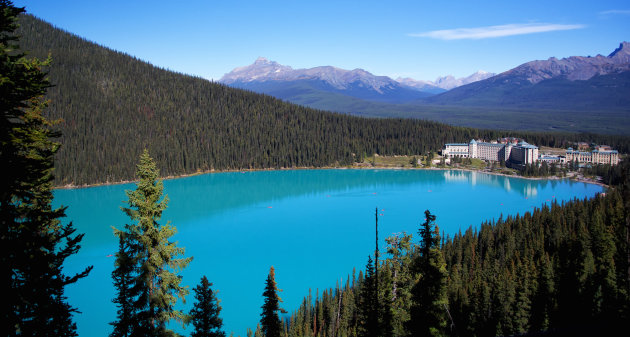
390	161
552	150
406	162
477	163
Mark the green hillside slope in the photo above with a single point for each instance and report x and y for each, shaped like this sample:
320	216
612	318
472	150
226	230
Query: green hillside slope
559	105
609	92
112	106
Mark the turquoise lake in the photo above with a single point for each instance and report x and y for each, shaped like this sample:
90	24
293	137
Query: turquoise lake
313	226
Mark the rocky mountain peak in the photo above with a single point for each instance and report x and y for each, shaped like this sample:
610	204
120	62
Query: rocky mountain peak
261	60
262	68
574	68
449	82
621	54
265	70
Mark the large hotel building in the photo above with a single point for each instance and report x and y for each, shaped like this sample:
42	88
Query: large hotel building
520	153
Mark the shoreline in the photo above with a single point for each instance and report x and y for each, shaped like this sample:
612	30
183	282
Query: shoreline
354	167
72	186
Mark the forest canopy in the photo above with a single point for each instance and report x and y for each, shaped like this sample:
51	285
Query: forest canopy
112	106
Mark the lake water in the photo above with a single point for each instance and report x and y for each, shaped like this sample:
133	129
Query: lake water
313	226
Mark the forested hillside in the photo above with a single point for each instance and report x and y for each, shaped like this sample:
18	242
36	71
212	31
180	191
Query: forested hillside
561	270
111	106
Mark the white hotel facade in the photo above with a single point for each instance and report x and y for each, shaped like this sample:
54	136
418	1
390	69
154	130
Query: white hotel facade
602	155
521	153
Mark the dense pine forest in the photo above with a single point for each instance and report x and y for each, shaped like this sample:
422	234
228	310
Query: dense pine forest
563	269
34	243
111	106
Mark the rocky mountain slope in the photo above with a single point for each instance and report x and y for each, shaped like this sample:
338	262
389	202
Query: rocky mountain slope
272	78
445	83
576	82
574	68
265	70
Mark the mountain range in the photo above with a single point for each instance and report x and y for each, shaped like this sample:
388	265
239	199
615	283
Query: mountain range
272	78
446	82
589	84
307	86
576	82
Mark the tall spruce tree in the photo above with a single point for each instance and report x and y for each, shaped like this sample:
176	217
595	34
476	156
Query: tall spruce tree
34	244
205	312
270	320
124	276
429	295
385	303
157	286
368	310
400	249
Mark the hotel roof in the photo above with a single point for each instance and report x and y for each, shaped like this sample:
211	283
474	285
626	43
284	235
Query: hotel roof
526	145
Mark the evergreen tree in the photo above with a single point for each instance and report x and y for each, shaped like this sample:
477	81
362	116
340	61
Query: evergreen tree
158	286
543	301
559	270
270	320
400	249
33	242
368	311
124	276
205	313
385	303
429	295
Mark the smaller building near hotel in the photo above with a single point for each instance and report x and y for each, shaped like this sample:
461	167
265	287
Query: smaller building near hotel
601	155
551	159
457	150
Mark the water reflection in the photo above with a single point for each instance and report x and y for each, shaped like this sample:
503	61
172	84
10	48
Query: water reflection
237	224
526	187
198	197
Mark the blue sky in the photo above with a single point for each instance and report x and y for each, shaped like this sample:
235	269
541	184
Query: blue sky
418	39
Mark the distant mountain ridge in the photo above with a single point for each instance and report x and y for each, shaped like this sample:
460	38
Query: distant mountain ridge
574	93
264	70
576	82
574	68
318	84
446	82
325	83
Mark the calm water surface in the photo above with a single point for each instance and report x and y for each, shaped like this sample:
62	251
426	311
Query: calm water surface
313	226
